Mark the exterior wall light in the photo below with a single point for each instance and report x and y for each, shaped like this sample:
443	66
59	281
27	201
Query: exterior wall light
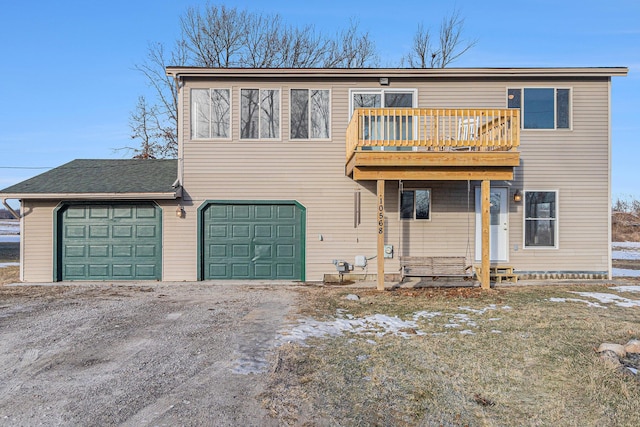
517	196
180	212
384	81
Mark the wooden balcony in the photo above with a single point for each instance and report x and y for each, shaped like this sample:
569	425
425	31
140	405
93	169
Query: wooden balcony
433	144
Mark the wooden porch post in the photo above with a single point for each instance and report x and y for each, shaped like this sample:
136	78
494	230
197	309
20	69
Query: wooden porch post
380	228
486	228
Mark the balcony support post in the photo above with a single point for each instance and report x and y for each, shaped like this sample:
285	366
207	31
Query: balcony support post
485	191
380	228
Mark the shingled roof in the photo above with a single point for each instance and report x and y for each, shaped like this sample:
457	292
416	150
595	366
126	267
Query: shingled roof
113	178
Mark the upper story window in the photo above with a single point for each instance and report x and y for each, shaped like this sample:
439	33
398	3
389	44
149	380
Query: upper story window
310	114
415	204
385	127
259	113
382	98
542	108
210	114
540	219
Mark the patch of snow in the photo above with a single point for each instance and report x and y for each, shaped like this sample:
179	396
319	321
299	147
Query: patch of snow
632	245
426	315
377	325
589	303
610	298
625	255
9	264
467	332
625	288
625	272
481	311
495	331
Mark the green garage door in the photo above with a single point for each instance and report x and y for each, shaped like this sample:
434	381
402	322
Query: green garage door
110	242
253	241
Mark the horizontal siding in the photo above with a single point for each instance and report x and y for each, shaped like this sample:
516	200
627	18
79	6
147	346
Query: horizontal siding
37	241
573	162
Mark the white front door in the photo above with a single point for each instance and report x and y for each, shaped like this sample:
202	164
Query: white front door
499	234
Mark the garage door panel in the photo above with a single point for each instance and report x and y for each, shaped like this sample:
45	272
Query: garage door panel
75	270
122	250
286	271
259	238
125	231
263	231
98	231
76	212
75	251
98	271
218	231
123	212
98	250
146	271
240	270
122	270
240	211
76	231
217	270
146	251
99	212
110	242
263	271
240	251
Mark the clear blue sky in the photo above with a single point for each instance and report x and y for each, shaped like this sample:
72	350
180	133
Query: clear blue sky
68	84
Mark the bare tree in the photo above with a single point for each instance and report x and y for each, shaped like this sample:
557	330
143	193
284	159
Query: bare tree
223	37
351	49
449	48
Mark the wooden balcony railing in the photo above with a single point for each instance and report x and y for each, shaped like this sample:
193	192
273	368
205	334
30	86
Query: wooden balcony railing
433	129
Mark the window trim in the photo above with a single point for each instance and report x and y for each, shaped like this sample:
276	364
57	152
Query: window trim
414	189
192	136
259	89
309	89
556	220
555	106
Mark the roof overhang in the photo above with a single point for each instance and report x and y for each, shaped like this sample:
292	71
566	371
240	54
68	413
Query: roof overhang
178	72
94	196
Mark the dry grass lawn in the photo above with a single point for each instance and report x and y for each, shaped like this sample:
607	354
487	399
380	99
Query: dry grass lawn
529	361
9	275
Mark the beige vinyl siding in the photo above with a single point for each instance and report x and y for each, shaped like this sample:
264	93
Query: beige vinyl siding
572	162
37	240
179	245
576	164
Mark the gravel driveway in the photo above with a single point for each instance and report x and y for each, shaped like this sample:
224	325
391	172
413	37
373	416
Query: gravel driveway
157	354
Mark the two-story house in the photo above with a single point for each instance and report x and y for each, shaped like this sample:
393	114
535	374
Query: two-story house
282	171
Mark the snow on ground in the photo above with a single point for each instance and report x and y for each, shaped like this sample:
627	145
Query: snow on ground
626	245
9	226
625	272
378	325
604	298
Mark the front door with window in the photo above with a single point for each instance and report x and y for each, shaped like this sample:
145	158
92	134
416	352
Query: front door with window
499	234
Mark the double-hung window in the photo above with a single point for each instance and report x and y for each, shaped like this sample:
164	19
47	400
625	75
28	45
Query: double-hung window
415	204
542	108
310	114
259	113
540	219
210	114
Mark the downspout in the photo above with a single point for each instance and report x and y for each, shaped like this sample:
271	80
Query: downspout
180	177
15	214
